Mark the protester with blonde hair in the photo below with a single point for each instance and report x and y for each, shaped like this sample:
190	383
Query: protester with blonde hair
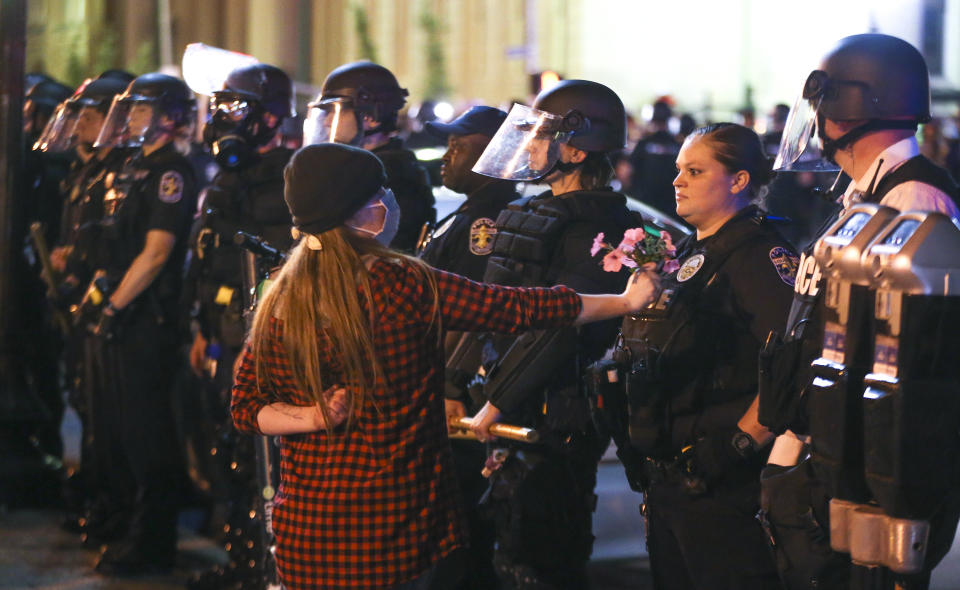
344	363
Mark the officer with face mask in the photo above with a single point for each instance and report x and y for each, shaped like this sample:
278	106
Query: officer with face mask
358	105
857	112
541	496
243	132
134	314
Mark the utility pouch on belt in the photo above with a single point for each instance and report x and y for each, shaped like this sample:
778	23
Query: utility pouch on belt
464	352
794	512
606	390
530	363
605	387
646	401
780	384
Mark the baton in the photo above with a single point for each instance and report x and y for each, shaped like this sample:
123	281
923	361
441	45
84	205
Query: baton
47	274
462	430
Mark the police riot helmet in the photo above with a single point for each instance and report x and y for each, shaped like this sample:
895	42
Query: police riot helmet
40	101
583	114
267	84
237	121
879	79
153	104
30	79
594	112
75	119
365	88
117	74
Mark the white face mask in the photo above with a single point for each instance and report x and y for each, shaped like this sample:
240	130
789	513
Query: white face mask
387	229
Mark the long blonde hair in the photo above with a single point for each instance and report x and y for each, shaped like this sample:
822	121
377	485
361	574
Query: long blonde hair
317	291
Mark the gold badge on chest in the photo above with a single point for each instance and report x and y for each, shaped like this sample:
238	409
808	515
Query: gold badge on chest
690	267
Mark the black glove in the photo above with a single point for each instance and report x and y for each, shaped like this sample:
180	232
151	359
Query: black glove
68	293
107	323
722	451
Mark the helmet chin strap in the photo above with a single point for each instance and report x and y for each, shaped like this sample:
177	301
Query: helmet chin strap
832	146
563	167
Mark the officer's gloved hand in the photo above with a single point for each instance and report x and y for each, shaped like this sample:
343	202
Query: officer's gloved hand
67	293
721	451
107	324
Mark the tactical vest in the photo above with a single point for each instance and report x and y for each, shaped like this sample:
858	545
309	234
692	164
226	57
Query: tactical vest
528	232
685	354
803	337
525	253
250	200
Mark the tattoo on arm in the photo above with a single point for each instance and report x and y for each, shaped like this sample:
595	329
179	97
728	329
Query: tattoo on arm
289	410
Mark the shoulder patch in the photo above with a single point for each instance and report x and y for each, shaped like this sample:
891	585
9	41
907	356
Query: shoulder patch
786	263
690	267
482	232
171	187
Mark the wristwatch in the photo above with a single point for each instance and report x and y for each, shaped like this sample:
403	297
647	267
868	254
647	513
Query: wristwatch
744	445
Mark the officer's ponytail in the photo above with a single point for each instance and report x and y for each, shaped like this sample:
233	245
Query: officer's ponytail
596	171
738	148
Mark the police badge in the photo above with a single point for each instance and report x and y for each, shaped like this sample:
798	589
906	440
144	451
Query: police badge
690	267
785	263
171	187
482	232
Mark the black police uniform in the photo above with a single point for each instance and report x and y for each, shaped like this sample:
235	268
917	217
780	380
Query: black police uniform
463	240
82	212
461	244
43	345
134	430
691	365
249	199
542	497
795	501
410	184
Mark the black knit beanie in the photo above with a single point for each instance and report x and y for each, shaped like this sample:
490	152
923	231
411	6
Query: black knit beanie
326	183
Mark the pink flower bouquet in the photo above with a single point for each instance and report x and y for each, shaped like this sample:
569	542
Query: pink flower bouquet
637	249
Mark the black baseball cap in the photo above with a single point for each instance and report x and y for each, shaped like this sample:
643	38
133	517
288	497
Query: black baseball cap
480	119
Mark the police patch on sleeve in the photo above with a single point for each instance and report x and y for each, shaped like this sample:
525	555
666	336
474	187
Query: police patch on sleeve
482	232
786	264
171	187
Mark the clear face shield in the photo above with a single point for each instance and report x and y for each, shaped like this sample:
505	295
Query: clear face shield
801	149
59	136
131	122
89	123
526	146
331	120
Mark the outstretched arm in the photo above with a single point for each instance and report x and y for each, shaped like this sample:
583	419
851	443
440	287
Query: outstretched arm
642	289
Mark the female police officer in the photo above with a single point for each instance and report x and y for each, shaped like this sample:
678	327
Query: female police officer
692	370
147	210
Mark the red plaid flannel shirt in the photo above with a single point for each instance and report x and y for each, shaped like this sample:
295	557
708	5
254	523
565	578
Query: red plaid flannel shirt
378	506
